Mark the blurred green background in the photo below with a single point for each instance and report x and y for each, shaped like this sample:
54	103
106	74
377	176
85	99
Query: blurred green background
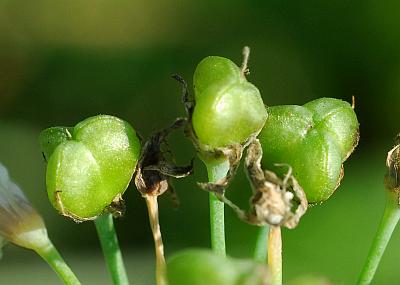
62	61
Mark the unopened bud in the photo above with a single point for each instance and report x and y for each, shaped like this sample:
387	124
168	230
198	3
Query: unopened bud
20	223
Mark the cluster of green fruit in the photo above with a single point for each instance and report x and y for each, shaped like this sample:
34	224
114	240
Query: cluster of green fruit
91	165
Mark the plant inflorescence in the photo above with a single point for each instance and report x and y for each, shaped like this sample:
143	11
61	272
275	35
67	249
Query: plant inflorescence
293	158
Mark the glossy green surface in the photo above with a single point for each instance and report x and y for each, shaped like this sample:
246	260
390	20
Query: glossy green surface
50	138
228	108
215	70
202	267
89	169
315	139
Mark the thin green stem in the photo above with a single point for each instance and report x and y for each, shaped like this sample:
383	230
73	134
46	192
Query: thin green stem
217	170
217	225
261	248
112	253
388	223
275	255
50	254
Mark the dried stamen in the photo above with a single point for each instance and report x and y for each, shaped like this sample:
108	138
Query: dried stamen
271	203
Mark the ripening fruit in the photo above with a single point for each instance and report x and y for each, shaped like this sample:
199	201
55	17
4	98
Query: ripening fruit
228	109
201	267
315	139
90	165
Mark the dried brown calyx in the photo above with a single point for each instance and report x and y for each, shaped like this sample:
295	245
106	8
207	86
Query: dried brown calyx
153	170
273	200
392	177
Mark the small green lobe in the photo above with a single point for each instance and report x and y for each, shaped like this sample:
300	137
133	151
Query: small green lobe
215	70
50	138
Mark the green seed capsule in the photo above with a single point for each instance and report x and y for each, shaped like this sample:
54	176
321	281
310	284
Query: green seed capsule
228	110
199	267
315	139
89	166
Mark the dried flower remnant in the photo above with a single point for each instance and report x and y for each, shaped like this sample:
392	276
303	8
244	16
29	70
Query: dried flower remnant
153	170
392	177
271	202
152	179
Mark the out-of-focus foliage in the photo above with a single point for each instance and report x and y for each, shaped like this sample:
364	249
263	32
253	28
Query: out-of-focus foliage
202	267
63	61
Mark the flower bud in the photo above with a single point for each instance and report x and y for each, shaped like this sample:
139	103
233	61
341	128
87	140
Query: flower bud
20	224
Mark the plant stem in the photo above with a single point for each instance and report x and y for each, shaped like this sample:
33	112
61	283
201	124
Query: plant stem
217	170
112	253
388	223
152	207
275	255
57	263
261	248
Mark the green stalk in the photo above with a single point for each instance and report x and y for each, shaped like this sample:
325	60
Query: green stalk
275	255
388	223
112	253
261	248
50	254
217	170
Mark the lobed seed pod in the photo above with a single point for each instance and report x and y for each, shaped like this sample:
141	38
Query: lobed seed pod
89	166
315	139
228	110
